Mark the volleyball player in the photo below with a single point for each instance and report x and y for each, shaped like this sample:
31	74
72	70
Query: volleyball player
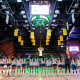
5	64
23	65
60	66
73	65
13	65
36	64
43	66
78	64
2	65
48	64
8	62
54	65
18	65
31	65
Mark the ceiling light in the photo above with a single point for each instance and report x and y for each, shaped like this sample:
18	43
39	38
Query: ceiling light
27	0
24	16
22	12
33	28
26	21
3	6
57	11
55	25
7	12
72	11
32	25
54	21
46	28
19	0
61	46
24	25
27	24
59	0
47	24
10	25
55	15
0	0
52	24
29	31
76	5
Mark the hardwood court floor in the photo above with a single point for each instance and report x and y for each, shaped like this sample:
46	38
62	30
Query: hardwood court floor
41	78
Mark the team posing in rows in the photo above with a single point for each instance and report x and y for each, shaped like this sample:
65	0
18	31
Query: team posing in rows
20	63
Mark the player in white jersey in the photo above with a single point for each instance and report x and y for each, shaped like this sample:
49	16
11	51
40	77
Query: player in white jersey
4	64
18	65
60	65
73	65
13	65
48	64
1	65
8	61
36	65
54	65
43	65
78	64
31	65
23	65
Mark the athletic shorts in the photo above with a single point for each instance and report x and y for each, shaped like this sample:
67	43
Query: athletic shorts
2	65
42	65
60	65
8	65
73	67
14	65
23	65
54	64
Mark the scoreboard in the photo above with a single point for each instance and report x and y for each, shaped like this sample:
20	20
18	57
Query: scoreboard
39	12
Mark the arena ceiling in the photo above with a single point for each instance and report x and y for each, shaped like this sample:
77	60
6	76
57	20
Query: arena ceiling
25	26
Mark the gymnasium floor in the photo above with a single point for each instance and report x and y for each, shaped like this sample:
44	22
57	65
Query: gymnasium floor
49	76
75	77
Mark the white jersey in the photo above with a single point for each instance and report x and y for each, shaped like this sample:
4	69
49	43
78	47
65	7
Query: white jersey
72	62
8	60
18	62
42	62
13	62
24	61
59	62
4	61
31	62
78	62
36	63
54	61
48	63
0	61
